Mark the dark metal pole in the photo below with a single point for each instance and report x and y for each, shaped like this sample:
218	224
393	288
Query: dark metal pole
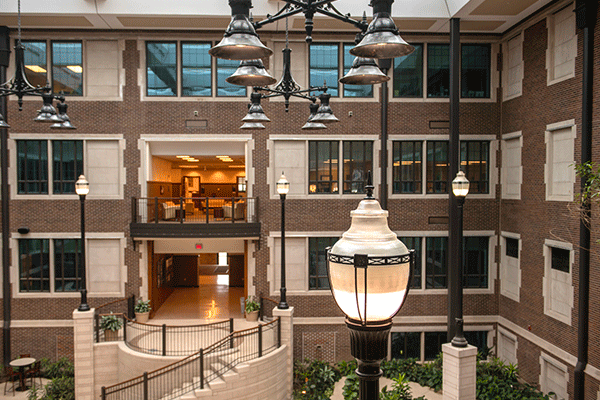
454	249
586	20
84	305
4	58
459	338
384	65
283	305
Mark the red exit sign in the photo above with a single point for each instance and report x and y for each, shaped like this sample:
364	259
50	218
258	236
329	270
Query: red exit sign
198	246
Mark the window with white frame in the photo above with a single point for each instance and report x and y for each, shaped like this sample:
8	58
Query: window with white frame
560	156
562	45
510	266
554	377
558	280
513	67
512	168
507	346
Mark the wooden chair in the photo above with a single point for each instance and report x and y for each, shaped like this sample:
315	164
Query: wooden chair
11	376
24	355
35	372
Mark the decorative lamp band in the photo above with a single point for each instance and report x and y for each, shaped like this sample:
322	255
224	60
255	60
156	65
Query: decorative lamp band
376	260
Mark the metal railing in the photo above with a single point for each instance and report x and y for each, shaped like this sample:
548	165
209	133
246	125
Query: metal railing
200	368
194	209
120	308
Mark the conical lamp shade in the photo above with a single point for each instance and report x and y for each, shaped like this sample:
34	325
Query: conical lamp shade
255	112
47	113
240	42
324	113
251	73
3	123
62	114
310	125
364	71
252	125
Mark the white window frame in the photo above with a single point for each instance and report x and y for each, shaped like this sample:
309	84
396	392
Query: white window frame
504	271
13	169
517	68
512	137
566	278
571	42
492	171
549	165
545	360
505	334
15	273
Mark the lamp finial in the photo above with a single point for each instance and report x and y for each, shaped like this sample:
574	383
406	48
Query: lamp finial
369	187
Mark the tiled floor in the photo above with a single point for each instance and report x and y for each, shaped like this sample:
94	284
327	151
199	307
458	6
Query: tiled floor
213	299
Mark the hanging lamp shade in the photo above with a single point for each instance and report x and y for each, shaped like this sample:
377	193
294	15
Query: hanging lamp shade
310	125
240	41
369	268
82	186
252	125
47	113
324	113
382	39
251	73
255	112
62	114
364	71
460	185
3	123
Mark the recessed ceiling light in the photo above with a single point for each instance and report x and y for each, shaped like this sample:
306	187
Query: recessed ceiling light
184	157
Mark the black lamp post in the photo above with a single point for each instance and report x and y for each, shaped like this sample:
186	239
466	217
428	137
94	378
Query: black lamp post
369	274
460	189
82	187
283	187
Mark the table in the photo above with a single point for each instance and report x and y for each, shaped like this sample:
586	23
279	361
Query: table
22	363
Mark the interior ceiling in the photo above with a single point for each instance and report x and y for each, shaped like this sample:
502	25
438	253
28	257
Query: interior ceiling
484	16
205	152
207	162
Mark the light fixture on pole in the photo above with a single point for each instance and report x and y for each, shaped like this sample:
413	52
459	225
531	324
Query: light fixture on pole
369	273
460	189
251	73
82	188
364	71
283	187
255	111
310	124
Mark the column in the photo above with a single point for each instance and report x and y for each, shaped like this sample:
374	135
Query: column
83	338
460	375
286	319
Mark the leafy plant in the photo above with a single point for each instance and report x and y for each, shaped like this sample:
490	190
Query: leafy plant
62	383
350	389
111	322
142	306
62	388
347	367
252	304
314	380
60	368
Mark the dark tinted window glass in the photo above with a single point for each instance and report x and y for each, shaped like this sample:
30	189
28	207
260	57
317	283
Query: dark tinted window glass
436	268
67	68
477	339
407	167
317	268
324	66
474	156
323	167
358	159
406	345
561	259
354	90
475	71
34	267
226	68
433	344
32	166
438	70
475	262
67	266
161	72
196	71
67	164
36	68
512	247
414	243
437	167
408	74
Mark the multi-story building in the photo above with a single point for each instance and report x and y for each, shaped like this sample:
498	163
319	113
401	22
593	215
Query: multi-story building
143	93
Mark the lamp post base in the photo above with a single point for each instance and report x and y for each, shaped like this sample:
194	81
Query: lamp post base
84	305
368	344
283	305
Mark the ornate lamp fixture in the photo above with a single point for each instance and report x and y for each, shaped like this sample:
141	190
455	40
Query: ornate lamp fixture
19	86
369	274
241	42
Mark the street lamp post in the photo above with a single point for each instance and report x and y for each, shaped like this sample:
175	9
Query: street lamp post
460	189
369	273
283	187
82	187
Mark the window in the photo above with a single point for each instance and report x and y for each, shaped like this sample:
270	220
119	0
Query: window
323	167
475	262
161	65
65	74
477	339
560	157
358	159
475	71
317	269
562	45
226	68
558	281
437	167
407	168
436	270
67	266
433	344
354	90
408	74
414	243
513	68
36	63
406	345
34	265
196	69
324	67
512	169
67	164
510	269
438	70
67	68
474	162
32	166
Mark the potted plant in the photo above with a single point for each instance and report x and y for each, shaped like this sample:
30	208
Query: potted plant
142	310
252	309
111	325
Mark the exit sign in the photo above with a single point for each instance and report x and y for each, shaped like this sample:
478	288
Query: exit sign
198	246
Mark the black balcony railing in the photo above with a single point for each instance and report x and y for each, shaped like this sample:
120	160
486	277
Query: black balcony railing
196	210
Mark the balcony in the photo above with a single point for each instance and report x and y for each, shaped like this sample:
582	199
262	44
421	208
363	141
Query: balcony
180	217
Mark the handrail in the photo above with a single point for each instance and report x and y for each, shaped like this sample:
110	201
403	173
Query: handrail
261	313
177	378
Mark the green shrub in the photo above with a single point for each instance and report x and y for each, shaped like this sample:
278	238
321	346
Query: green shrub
62	381
314	380
111	322
62	388
62	367
142	306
